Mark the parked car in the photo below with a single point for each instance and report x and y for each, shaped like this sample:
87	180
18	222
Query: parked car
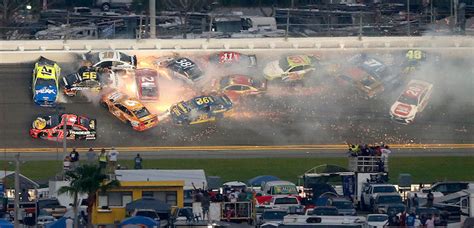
344	206
377	220
323	210
52	207
370	193
271	215
383	201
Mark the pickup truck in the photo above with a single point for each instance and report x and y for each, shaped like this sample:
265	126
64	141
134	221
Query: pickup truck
370	193
289	203
384	201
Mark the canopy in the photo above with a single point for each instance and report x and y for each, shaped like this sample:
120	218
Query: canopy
139	220
60	223
260	180
5	224
149	203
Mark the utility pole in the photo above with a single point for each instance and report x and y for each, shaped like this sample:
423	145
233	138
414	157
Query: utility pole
288	19
408	17
17	190
65	136
152	10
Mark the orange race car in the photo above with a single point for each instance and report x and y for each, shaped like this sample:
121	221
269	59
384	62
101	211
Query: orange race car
129	110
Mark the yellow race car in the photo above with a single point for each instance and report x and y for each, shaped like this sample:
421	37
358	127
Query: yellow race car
290	68
45	83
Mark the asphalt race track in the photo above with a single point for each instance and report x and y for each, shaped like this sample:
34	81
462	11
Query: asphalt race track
318	113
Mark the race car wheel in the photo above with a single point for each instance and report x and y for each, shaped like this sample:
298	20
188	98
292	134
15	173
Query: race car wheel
42	135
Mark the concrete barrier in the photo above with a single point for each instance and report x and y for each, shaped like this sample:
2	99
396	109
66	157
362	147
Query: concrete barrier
29	50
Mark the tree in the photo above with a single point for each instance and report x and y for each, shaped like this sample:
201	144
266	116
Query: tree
86	179
184	7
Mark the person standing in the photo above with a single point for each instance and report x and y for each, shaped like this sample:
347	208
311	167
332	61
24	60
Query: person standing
410	221
138	162
74	155
429	199
113	157
90	156
416	201
430	223
385	152
205	204
102	160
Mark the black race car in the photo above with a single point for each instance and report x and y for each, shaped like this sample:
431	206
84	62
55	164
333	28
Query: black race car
180	67
86	78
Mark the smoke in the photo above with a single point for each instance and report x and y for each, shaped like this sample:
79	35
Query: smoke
320	110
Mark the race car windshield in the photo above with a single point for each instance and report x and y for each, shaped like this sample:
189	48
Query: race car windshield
41	82
256	83
284	63
408	100
193	72
125	58
141	113
149	91
84	121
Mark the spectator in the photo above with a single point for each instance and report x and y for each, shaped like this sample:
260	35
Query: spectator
410	222
67	163
385	151
242	196
380	165
83	218
113	157
138	162
103	159
429	199
416	202
90	156
403	219
24	195
430	223
205	204
74	155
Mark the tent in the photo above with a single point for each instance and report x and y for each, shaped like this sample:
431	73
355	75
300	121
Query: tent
260	180
5	224
139	221
149	203
60	223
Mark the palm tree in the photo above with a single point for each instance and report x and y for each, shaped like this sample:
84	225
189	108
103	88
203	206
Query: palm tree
86	179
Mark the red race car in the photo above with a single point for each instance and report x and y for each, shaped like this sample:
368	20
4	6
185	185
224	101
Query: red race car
51	127
235	86
147	84
230	58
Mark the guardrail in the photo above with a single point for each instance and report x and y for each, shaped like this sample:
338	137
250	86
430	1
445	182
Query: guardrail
21	51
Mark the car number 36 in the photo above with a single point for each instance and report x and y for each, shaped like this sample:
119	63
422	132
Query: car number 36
203	100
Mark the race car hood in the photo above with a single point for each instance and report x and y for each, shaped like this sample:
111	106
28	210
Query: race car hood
70	79
45	93
403	110
273	70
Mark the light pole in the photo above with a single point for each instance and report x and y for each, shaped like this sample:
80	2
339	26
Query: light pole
17	190
152	10
288	19
408	17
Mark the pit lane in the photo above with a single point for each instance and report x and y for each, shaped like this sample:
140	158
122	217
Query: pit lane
325	115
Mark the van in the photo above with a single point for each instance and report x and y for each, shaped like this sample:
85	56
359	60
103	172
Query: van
279	188
106	5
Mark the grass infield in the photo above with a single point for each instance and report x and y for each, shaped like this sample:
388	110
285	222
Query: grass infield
422	169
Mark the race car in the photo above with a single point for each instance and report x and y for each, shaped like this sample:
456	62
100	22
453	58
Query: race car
362	81
45	82
86	78
147	84
235	86
52	127
129	110
114	60
376	68
180	67
230	58
413	100
200	109
290	68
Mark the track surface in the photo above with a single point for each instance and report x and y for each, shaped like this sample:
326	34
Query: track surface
331	115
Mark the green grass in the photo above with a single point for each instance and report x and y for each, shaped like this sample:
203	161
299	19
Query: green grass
422	169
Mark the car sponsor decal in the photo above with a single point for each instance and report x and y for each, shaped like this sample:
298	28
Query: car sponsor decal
297	60
402	109
45	90
228	57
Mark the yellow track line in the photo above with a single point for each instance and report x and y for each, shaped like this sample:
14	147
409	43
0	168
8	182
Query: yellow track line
319	147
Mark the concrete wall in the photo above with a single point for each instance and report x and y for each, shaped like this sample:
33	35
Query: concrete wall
29	50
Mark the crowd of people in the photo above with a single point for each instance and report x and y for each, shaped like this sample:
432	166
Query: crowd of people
382	151
202	200
106	159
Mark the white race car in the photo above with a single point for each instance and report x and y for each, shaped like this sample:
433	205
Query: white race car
114	60
413	100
